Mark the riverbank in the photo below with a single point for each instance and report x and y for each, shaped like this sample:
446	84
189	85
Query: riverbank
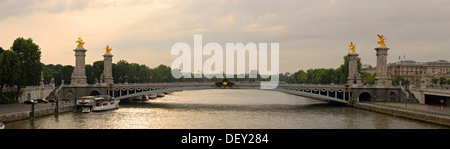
413	112
15	112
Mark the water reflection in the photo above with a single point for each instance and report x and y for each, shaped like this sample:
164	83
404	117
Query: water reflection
224	108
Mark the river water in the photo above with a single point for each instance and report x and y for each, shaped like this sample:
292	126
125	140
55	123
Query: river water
225	109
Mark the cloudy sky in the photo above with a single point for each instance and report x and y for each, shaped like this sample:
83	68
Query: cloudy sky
311	33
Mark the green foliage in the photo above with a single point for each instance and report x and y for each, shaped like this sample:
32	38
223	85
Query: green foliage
9	64
442	80
30	61
396	80
30	67
435	80
90	78
8	98
324	76
59	72
369	78
97	70
9	72
135	73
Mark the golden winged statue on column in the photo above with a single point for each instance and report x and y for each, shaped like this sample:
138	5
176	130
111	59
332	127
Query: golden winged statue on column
352	48
381	41
80	43
108	49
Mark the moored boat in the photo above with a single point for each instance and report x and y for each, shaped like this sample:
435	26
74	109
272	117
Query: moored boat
105	102
145	98
86	102
160	95
152	96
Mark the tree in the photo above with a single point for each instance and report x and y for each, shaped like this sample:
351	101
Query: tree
97	70
89	77
121	68
9	72
369	78
435	80
442	80
166	73
30	68
396	80
301	76
66	73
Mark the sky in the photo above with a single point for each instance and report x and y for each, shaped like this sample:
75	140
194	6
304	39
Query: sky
311	33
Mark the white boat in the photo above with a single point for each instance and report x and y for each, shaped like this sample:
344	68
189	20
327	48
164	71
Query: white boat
2	126
97	103
105	102
86	102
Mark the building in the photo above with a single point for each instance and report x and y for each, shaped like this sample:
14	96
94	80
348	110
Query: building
368	69
417	72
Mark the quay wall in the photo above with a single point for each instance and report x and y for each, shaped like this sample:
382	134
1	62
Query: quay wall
431	118
37	113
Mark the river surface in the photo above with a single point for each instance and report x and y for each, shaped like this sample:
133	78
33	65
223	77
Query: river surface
225	109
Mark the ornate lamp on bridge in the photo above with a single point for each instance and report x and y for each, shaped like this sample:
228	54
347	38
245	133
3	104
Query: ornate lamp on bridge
354	79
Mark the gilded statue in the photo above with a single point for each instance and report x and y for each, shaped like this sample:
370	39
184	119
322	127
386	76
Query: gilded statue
108	49
352	48
381	41
80	43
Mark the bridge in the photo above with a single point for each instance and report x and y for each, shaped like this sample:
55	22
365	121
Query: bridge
353	91
330	93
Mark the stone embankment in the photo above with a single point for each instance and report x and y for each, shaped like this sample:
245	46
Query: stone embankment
442	118
25	114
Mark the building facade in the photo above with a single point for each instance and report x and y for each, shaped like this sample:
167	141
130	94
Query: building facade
418	72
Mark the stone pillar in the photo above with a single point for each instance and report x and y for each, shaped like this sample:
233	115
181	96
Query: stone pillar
107	69
79	74
354	78
382	78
